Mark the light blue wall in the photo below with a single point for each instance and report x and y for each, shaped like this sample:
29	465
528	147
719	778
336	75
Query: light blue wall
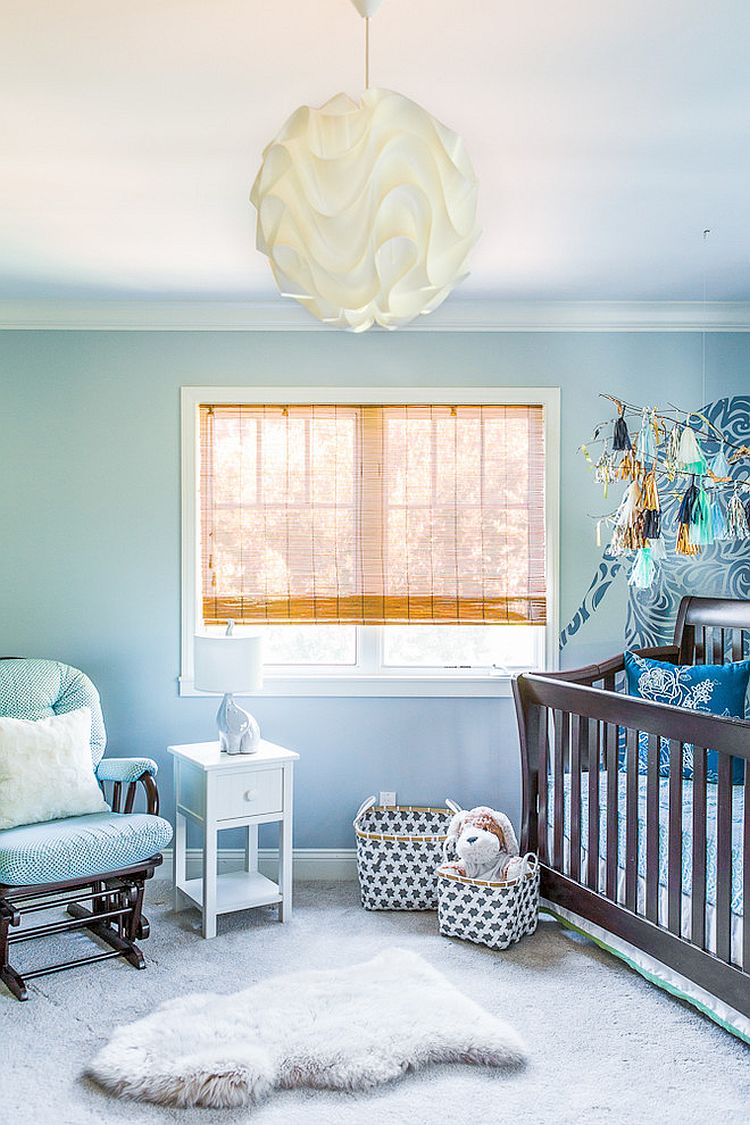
90	524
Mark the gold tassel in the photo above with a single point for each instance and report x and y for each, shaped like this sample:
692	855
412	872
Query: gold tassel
683	545
630	468
632	537
650	495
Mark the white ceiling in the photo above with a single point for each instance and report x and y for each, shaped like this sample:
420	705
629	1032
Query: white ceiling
605	135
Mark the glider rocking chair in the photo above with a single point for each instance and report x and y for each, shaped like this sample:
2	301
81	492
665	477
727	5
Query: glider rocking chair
102	859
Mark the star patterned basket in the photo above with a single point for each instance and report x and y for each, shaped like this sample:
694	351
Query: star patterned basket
493	914
399	848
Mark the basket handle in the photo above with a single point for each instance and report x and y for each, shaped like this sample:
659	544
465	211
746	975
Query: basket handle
449	845
366	804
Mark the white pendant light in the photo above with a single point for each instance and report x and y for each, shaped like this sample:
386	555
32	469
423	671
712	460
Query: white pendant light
366	210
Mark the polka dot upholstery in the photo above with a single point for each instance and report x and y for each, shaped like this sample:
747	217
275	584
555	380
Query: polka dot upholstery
36	689
79	847
125	769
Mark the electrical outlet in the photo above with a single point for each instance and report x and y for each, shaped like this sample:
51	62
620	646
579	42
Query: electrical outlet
387	798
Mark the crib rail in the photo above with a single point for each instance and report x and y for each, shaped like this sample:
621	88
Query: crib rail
604	805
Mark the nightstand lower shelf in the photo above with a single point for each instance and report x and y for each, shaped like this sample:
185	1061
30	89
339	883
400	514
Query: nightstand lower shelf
235	890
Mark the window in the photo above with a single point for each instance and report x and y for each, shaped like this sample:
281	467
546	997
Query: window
373	540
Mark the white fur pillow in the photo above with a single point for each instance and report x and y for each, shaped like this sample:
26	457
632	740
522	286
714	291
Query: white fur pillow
45	769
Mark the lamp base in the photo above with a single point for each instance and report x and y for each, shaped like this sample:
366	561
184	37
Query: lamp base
239	732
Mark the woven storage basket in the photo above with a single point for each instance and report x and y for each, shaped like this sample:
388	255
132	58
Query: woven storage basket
399	849
493	914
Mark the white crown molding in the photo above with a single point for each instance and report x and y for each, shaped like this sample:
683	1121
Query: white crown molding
454	316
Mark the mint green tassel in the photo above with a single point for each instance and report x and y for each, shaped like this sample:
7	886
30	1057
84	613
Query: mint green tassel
720	465
701	531
718	517
642	574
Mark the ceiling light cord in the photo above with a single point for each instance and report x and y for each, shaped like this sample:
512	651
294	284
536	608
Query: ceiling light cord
367	52
706	233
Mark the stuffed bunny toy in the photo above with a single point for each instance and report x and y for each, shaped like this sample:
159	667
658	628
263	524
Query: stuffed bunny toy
486	845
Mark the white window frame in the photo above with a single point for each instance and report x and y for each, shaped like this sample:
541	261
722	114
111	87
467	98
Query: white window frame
340	681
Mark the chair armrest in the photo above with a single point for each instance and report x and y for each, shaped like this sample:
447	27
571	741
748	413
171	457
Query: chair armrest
125	769
129	771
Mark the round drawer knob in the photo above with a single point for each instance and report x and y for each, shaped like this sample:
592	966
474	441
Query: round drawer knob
251	794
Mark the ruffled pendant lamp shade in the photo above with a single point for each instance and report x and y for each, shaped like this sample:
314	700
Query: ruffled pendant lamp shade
366	210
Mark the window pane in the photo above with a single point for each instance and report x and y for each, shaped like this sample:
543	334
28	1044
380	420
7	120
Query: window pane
309	644
303	644
444	646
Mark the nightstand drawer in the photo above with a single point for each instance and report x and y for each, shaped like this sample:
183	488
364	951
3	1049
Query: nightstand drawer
249	793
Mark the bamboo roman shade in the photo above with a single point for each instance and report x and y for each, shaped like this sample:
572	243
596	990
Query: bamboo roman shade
372	514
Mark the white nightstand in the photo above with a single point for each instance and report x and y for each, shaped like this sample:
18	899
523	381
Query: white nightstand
219	791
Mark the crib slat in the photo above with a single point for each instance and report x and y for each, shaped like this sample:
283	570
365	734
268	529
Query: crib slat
736	644
613	812
724	858
575	796
631	821
594	732
652	830
698	891
543	786
674	863
746	871
716	650
700	645
558	776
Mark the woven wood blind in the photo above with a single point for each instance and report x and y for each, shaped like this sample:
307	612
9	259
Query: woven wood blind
372	514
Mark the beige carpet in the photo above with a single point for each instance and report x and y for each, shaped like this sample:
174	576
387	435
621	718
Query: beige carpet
606	1046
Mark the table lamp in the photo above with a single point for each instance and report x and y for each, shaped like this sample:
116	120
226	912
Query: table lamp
229	664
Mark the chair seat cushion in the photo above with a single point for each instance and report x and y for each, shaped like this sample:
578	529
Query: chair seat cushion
79	847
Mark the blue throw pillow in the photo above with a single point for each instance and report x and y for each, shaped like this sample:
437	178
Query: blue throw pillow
716	689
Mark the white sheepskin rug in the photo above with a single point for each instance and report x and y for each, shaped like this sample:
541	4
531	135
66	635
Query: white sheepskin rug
336	1029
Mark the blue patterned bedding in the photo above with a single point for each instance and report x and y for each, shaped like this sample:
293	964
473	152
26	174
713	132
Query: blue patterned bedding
687	813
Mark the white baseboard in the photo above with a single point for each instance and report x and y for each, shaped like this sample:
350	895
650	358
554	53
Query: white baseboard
310	864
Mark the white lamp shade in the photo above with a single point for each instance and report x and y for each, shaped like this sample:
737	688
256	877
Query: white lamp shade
366	210
228	664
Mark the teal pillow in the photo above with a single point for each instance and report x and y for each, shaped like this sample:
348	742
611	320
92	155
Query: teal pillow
716	689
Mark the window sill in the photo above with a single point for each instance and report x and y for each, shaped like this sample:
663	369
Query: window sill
339	684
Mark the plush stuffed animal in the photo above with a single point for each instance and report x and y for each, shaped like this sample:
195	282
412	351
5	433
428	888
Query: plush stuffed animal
486	845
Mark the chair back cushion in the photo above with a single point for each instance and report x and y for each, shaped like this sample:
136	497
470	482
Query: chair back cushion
36	689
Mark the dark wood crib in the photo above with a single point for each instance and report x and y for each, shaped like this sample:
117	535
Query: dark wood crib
615	842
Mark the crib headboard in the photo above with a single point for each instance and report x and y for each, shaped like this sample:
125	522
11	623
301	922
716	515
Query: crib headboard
712	630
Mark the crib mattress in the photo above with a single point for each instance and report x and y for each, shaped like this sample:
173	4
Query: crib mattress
687	813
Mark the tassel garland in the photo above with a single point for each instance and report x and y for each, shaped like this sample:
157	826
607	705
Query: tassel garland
671	452
701	524
665	449
685	544
647	439
628	521
630	468
719	468
605	471
651	507
737	523
658	550
642	574
718	517
690	458
620	436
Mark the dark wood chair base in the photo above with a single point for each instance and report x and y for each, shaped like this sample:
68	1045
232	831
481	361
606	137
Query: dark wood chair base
115	917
